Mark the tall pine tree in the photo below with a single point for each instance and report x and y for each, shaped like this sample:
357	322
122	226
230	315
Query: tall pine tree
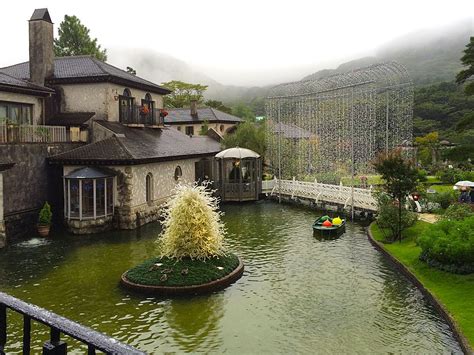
74	39
468	61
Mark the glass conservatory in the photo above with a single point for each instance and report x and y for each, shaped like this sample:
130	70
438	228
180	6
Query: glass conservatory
239	174
88	194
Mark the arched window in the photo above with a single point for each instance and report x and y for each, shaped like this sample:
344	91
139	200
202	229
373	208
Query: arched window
222	128
125	106
178	173
149	188
150	105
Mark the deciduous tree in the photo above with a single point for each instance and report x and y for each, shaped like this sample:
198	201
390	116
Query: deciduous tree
218	105
400	178
247	135
183	93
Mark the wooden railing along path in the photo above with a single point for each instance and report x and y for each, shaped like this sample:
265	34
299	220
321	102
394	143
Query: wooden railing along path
340	195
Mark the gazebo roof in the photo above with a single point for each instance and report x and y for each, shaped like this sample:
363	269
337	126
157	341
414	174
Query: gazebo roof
89	173
237	153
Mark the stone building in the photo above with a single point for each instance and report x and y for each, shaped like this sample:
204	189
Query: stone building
121	181
192	120
97	130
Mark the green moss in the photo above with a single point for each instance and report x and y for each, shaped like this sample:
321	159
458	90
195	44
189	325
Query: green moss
198	272
455	292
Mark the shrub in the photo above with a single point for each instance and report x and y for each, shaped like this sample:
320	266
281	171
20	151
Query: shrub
192	227
445	199
449	245
457	212
45	214
451	176
387	217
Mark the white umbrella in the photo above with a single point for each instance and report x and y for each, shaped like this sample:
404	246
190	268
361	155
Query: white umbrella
464	183
237	153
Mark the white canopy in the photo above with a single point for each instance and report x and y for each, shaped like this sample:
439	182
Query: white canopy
464	183
237	153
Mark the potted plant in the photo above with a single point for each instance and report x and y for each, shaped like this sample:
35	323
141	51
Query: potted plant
144	110
44	220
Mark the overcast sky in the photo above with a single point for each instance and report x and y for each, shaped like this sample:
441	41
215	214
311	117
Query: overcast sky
233	40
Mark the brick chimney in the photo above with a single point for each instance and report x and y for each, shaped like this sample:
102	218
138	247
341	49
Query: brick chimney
194	111
41	46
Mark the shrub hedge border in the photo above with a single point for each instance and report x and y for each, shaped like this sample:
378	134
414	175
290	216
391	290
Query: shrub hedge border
192	290
465	346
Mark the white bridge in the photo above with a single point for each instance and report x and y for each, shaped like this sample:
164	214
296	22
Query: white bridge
338	195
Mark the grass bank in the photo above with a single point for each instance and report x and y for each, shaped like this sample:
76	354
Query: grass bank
455	292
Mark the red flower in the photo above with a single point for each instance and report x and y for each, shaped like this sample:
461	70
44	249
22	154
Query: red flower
144	110
163	113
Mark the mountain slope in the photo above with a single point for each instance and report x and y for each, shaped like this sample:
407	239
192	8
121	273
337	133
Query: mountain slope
430	56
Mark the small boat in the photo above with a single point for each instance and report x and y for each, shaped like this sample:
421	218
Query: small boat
325	228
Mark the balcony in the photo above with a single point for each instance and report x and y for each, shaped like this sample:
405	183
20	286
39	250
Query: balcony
132	116
32	134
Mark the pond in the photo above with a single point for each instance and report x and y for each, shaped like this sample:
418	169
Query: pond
297	295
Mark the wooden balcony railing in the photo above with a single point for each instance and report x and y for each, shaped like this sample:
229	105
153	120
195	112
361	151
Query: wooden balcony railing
131	115
32	134
57	324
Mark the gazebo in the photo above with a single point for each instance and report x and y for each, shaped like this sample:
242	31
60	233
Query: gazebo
239	174
88	199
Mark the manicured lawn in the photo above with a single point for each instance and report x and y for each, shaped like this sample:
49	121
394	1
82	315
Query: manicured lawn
442	188
371	180
432	179
456	292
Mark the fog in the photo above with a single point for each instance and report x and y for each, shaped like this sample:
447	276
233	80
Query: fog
243	42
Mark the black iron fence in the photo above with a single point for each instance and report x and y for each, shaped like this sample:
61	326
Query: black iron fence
139	116
58	325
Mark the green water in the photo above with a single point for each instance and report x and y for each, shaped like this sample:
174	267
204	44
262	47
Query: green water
297	295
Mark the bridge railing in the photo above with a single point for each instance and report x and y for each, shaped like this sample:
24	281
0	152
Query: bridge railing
319	192
57	324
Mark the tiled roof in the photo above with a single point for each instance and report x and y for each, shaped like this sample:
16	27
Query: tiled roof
138	146
182	115
291	131
70	118
85	69
15	84
41	14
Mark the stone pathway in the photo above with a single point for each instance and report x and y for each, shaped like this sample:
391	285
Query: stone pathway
428	217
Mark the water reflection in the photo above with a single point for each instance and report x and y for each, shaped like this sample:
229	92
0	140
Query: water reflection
196	325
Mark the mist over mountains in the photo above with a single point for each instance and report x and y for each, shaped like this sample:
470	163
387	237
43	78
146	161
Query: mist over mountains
431	56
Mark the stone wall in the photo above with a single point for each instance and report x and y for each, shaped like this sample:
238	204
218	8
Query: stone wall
30	183
132	209
101	98
85	98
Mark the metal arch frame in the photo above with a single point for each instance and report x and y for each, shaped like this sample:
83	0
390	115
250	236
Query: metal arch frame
348	117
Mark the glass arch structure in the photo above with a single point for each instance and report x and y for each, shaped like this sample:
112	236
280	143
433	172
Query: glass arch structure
340	123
